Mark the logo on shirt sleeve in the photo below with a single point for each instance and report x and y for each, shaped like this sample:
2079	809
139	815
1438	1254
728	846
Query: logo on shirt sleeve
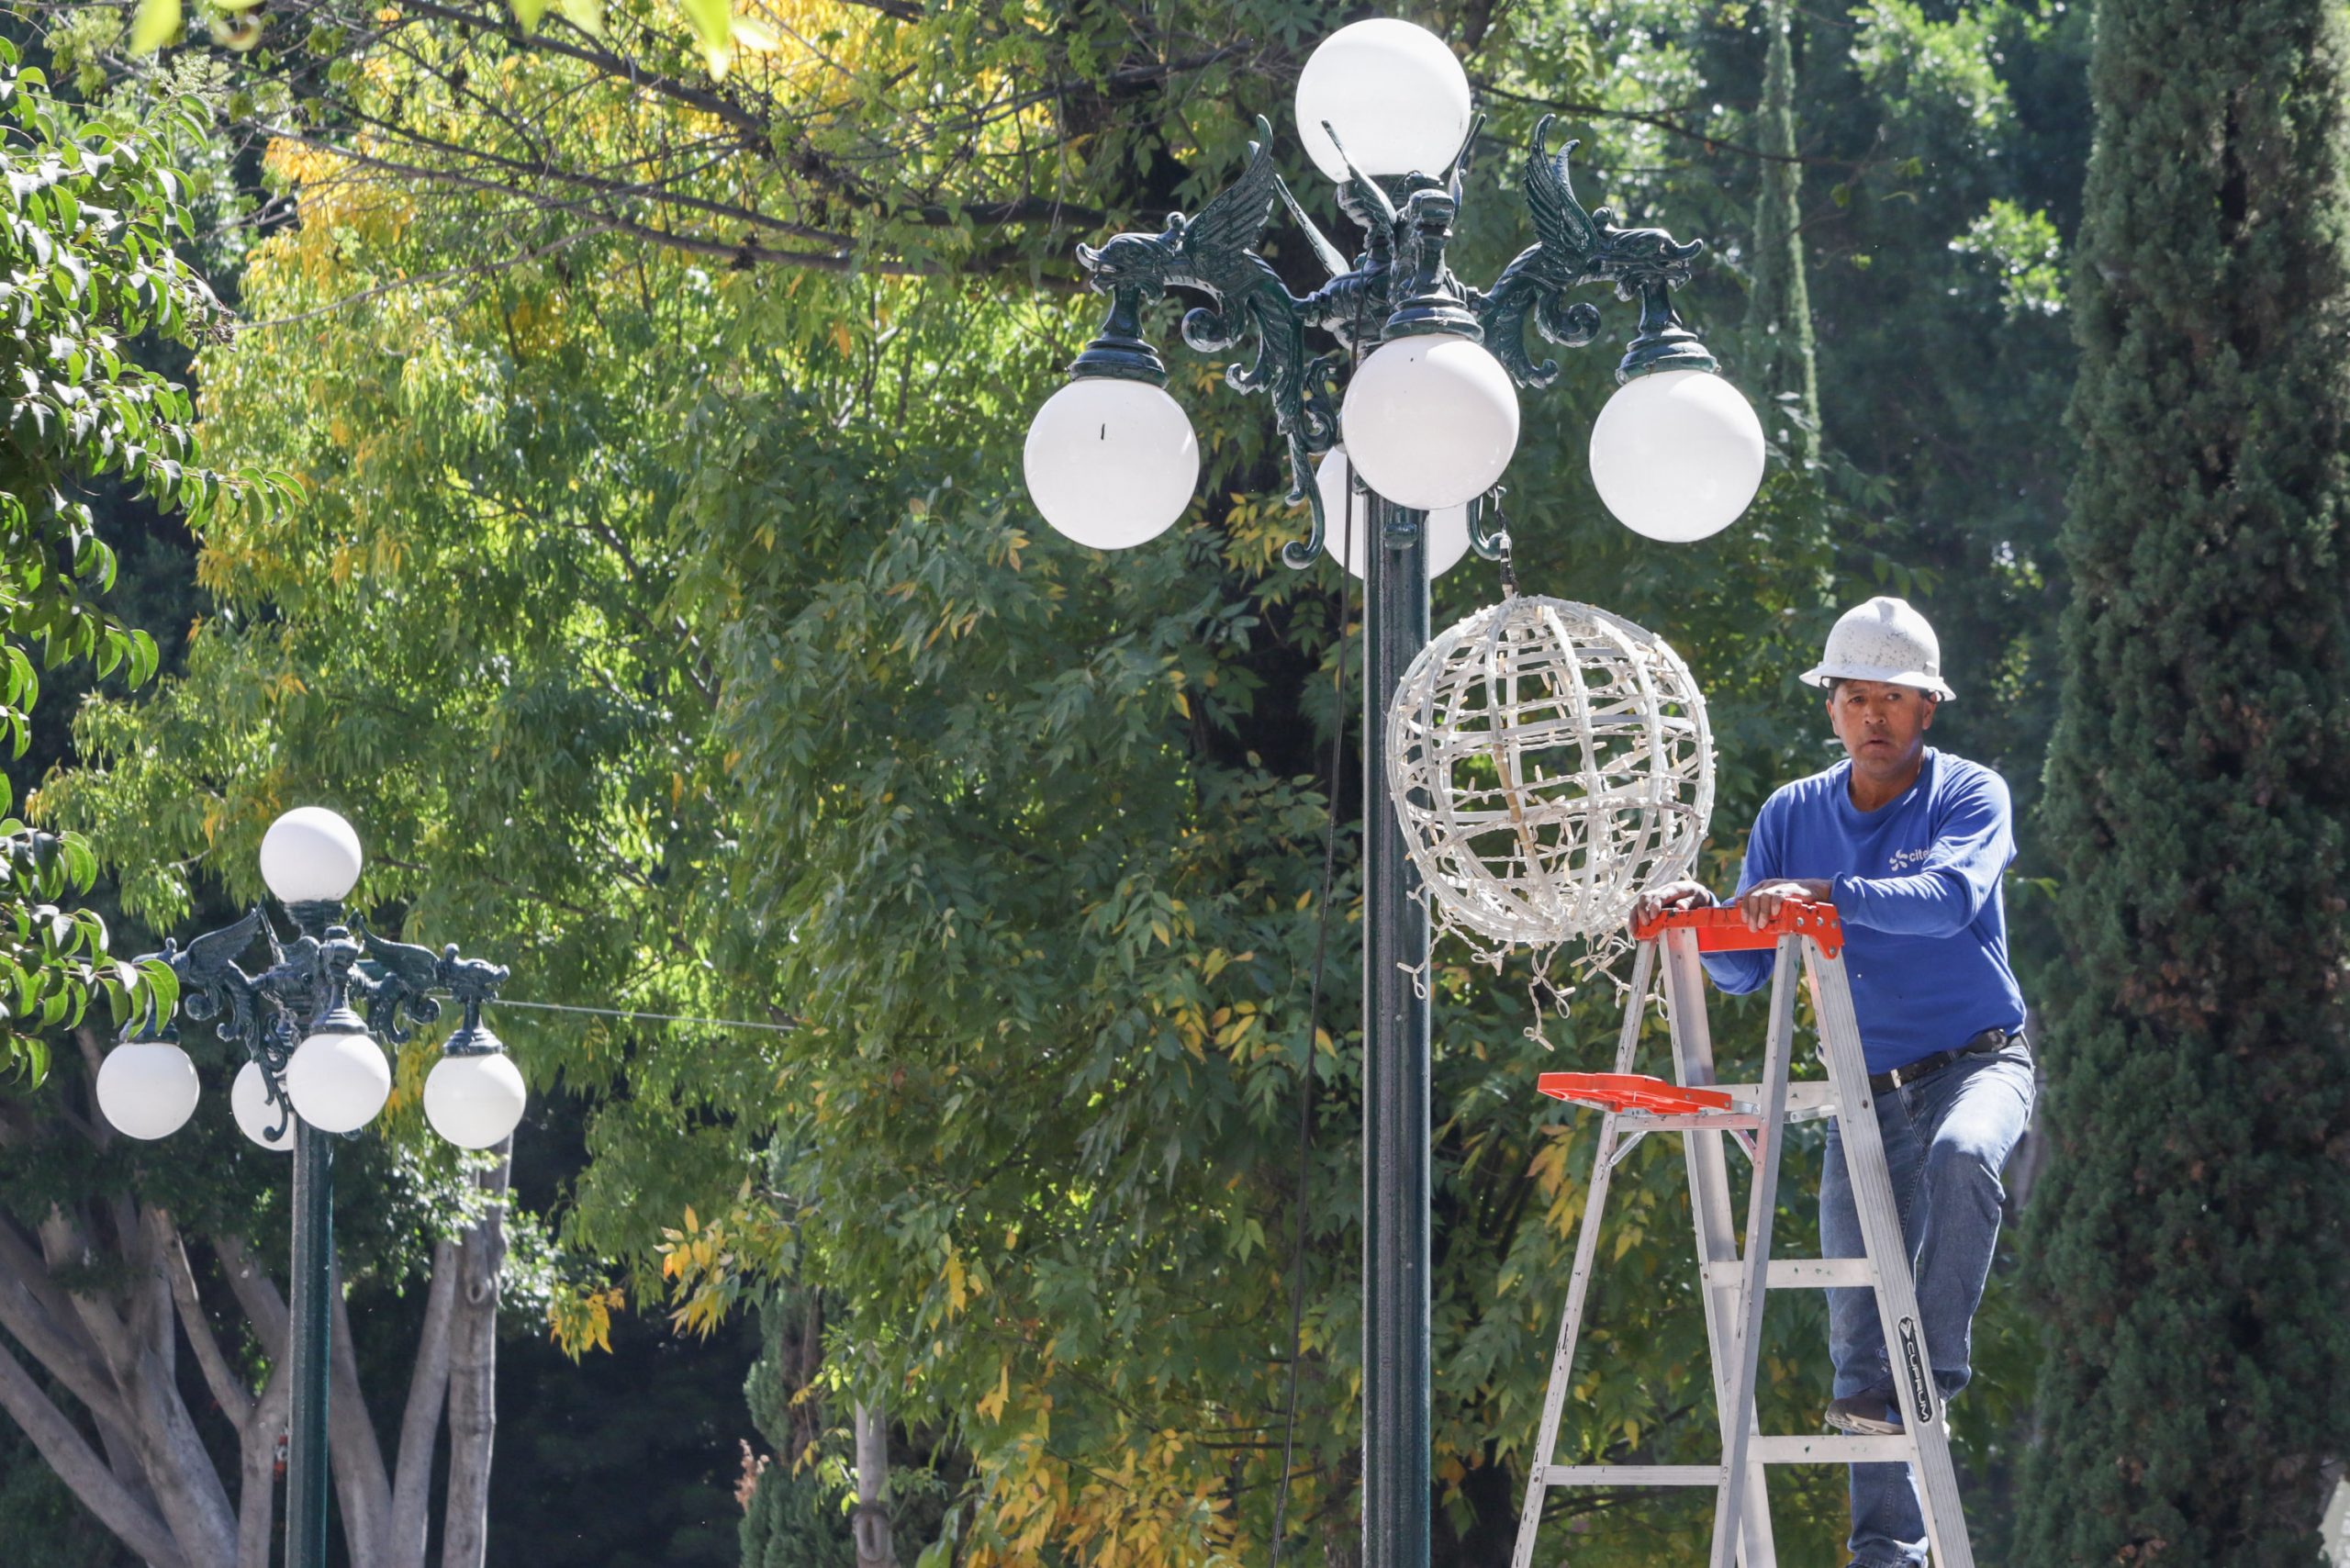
1902	860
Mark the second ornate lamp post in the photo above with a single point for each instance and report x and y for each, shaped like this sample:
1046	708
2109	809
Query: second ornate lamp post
1423	391
315	1070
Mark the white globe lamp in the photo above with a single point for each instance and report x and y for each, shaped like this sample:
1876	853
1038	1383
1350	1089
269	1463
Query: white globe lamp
257	1115
310	855
147	1089
1343	530
1677	454
1111	462
475	1101
1396	94
1431	420
339	1078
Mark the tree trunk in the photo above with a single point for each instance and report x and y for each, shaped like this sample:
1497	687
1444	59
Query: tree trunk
258	1443
428	1390
473	1374
361	1484
874	1547
136	1340
90	1478
149	1478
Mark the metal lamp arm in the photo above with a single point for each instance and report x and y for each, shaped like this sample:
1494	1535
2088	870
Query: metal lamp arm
399	978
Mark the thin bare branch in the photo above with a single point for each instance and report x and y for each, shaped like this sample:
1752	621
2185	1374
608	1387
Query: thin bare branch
229	1391
1636	116
423	280
257	1444
264	1305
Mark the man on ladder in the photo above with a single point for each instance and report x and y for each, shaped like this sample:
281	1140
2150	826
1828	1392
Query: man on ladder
1910	845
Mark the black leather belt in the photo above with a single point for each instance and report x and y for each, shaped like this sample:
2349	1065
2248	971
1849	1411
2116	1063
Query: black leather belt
1911	1071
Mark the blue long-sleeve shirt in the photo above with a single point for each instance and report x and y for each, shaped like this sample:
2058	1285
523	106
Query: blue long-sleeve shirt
1917	885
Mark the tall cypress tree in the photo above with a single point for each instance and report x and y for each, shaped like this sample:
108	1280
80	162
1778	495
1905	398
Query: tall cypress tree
1778	314
2191	1241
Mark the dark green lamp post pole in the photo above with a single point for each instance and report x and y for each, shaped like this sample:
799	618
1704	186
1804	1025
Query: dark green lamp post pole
1397	290
315	1070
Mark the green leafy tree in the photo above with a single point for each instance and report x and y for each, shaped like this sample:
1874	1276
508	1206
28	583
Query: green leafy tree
85	242
2190	1250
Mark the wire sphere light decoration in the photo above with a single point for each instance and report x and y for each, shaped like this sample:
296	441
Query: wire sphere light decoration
1548	761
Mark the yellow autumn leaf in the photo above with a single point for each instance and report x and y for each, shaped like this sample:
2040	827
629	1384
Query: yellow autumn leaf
957	1294
991	1407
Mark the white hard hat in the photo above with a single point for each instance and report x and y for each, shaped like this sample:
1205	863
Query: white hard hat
1883	640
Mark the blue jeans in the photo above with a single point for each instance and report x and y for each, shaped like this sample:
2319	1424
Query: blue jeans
1946	1138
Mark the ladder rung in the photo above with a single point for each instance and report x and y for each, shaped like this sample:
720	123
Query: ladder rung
1807	1100
1632	1475
1828	1451
1794	1273
1822	1450
1689	1121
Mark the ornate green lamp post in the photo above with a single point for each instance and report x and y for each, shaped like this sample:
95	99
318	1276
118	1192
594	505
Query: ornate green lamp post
1421	388
314	1070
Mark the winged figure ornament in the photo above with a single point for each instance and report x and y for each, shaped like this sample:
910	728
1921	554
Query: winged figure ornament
1216	251
211	984
404	979
1567	250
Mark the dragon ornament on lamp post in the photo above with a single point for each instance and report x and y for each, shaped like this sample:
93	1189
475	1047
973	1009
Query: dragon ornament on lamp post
1423	383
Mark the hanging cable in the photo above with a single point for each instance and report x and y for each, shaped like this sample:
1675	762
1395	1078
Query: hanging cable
655	1017
1314	1034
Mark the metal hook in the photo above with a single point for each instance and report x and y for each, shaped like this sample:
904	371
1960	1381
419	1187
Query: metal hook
1494	543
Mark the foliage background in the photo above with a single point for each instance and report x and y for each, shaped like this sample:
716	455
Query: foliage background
665	608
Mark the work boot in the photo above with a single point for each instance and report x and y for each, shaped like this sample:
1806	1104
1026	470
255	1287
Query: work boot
1872	1415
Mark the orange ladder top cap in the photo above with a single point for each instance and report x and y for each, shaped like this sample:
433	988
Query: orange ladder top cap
1725	930
1630	1092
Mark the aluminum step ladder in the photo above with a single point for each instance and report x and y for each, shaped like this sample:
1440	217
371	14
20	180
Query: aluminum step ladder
1708	1115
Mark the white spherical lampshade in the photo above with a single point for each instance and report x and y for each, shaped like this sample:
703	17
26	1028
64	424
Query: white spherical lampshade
1112	463
1397	97
474	1101
311	853
338	1080
1676	456
1342	536
147	1089
1431	420
256	1114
